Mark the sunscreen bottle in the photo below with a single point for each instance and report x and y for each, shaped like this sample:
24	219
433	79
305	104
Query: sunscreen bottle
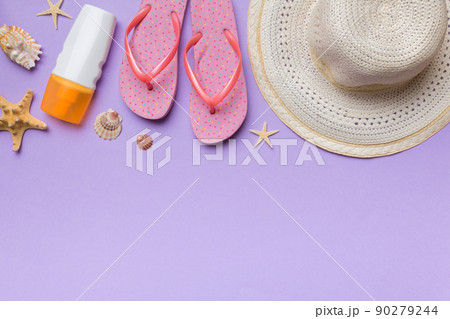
79	65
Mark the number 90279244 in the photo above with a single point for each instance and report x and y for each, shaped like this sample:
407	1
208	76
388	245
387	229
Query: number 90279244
406	311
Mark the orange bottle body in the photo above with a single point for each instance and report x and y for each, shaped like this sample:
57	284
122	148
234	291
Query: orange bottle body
66	100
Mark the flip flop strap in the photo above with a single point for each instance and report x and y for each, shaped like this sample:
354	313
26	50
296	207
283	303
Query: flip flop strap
148	77
213	101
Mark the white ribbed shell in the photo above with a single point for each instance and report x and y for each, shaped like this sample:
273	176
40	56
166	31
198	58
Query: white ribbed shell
19	46
369	45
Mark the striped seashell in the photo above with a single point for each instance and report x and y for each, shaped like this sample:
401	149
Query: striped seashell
19	46
144	142
108	125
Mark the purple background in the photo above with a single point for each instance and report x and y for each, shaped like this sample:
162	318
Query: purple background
70	206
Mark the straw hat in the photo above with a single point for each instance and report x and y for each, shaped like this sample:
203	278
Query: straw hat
361	78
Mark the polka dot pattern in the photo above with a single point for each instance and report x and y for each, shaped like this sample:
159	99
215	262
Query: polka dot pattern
152	41
215	63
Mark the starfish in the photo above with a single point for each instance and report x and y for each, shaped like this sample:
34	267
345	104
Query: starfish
54	11
16	118
264	135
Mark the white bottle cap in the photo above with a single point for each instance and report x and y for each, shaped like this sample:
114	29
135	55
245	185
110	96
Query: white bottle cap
86	47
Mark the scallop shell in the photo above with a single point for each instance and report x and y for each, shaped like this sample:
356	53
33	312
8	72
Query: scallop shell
19	46
144	142
108	125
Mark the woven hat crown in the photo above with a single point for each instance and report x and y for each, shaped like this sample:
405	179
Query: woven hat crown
375	44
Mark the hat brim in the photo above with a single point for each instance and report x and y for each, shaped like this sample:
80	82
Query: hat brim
357	124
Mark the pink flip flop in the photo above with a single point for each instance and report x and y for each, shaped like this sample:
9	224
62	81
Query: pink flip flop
218	105
149	71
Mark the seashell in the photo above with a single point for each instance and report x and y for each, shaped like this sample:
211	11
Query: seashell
108	125
19	46
144	142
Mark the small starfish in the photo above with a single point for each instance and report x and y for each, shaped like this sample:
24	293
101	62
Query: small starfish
264	135
16	119
54	11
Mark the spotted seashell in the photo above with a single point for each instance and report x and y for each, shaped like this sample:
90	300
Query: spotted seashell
108	125
144	142
19	46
